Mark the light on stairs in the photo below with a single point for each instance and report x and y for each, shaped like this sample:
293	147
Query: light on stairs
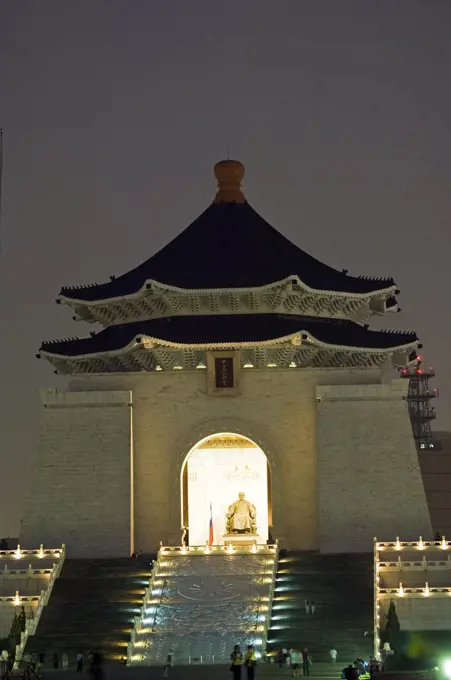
230	549
18	553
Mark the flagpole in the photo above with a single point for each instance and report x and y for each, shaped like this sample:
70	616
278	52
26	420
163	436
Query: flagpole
210	527
1	175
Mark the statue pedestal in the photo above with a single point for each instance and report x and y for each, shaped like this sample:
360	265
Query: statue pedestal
242	540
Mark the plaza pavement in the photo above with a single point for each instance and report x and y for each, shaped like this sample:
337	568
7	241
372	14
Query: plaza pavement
320	671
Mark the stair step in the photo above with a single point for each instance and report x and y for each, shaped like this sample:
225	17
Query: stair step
94	602
92	605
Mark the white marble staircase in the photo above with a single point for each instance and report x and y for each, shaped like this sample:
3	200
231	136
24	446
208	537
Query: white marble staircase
201	602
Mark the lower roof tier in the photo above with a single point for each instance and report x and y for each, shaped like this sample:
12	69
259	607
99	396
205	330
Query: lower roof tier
181	342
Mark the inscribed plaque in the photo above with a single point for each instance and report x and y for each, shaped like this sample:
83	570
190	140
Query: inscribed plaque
224	372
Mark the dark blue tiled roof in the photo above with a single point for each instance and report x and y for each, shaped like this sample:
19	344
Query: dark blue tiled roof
254	328
228	246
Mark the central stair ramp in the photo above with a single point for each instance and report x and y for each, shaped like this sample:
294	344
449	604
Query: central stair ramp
201	601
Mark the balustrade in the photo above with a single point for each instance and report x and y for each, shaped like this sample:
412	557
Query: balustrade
43	598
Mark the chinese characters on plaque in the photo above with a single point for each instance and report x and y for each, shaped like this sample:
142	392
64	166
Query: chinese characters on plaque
224	372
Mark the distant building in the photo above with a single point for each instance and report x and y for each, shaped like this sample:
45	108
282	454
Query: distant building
435	467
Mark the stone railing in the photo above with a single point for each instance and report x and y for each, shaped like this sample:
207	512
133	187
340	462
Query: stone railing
41	553
216	549
32	624
6	572
415	565
20	600
397	545
267	621
411	557
142	622
415	591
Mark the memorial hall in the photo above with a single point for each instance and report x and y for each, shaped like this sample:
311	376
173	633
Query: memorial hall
231	400
229	361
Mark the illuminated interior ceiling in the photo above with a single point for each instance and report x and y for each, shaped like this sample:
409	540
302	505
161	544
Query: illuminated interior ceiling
227	441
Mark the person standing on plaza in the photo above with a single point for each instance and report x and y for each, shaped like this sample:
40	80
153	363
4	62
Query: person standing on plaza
373	667
333	654
350	672
236	658
96	669
296	660
386	653
250	662
4	665
80	662
65	661
169	662
306	662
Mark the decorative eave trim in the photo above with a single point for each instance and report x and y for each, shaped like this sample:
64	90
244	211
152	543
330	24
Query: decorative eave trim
153	285
149	342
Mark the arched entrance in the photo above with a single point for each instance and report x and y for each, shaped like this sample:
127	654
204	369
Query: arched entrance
213	473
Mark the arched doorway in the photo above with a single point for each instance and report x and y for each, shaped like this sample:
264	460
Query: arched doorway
214	472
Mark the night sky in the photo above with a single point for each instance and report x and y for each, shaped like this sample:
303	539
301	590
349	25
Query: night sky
115	112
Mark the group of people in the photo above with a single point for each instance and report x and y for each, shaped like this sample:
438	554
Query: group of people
361	669
296	659
34	663
238	659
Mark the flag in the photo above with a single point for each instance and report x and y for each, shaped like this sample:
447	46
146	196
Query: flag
210	528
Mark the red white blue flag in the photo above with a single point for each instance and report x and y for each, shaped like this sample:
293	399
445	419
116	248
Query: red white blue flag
210	528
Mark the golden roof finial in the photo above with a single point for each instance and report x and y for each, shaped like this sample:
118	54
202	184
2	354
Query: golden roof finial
229	175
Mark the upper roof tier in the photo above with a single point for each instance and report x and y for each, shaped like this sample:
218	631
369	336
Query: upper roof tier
229	246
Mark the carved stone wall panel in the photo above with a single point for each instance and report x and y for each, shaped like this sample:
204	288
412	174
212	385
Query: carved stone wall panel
220	600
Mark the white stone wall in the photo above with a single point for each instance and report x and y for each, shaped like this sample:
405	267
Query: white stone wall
80	493
31	585
7	611
276	408
369	479
172	411
423	613
81	482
